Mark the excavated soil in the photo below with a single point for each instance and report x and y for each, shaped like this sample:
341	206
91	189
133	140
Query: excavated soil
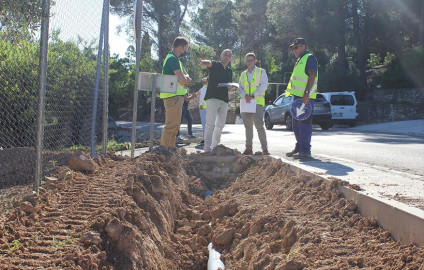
150	213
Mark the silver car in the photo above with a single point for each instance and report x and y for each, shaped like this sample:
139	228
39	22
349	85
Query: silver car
279	113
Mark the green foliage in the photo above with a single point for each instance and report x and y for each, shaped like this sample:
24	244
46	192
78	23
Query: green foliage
331	79
213	20
18	88
374	60
20	19
405	72
269	63
113	145
191	64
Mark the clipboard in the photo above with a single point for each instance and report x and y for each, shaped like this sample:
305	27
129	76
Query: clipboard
247	107
228	84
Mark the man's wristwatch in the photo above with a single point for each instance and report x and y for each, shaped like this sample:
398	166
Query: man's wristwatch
306	91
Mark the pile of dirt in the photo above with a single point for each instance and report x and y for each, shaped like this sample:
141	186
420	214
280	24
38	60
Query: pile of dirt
151	213
271	219
128	214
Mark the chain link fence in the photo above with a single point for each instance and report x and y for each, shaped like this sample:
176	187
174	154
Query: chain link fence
72	67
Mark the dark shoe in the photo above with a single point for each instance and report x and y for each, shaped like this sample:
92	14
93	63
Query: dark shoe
191	137
265	152
301	155
248	152
202	142
290	154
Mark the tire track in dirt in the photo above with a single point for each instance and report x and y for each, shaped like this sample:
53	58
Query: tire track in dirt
53	236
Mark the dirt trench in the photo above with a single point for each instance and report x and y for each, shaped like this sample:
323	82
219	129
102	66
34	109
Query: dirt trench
150	213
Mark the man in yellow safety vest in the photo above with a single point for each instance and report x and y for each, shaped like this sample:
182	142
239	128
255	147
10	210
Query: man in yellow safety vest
304	79
252	86
174	102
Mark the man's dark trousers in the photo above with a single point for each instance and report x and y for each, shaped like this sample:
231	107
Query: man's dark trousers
303	132
187	115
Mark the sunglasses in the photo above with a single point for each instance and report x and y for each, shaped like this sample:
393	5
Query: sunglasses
296	47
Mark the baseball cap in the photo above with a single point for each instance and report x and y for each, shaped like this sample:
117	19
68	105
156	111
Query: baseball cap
298	41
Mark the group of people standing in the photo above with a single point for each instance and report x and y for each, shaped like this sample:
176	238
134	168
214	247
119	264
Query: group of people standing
253	82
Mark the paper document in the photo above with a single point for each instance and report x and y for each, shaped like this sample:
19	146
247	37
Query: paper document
247	107
228	84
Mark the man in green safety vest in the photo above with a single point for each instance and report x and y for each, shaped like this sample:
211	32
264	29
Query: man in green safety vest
253	84
304	79
174	102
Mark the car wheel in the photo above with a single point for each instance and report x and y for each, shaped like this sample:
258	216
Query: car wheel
352	124
268	123
325	126
289	122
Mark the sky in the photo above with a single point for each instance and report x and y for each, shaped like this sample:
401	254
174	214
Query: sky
83	18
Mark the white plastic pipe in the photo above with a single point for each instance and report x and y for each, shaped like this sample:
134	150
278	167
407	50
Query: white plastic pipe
214	261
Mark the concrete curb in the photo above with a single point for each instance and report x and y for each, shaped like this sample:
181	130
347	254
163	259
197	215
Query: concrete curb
405	224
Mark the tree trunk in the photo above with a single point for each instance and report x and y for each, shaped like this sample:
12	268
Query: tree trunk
359	46
421	31
177	18
341	42
160	42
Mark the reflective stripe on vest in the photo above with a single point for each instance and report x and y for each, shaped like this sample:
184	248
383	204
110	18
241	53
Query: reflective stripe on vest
181	90
299	80
253	85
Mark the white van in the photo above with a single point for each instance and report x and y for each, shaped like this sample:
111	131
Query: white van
343	107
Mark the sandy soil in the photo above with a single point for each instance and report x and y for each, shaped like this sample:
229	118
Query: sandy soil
150	213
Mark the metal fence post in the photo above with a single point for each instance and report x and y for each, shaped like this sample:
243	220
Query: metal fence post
152	112
42	75
96	88
138	17
106	79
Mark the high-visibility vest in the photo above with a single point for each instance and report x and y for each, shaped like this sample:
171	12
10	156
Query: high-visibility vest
181	90
252	86
299	80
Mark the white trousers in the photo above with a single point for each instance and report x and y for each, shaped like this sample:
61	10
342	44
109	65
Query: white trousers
216	115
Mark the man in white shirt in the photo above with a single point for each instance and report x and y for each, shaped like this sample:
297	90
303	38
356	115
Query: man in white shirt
202	106
253	84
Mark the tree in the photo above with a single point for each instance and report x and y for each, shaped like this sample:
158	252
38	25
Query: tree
252	26
214	26
161	18
19	19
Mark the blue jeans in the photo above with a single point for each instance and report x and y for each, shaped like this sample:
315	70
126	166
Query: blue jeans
303	132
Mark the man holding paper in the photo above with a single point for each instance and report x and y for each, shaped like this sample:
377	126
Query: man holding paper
253	84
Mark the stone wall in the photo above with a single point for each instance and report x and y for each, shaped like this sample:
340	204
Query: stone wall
388	105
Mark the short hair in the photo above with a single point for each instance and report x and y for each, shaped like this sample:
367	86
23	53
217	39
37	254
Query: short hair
227	50
180	41
251	54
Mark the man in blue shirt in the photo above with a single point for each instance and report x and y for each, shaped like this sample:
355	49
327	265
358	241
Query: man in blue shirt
301	84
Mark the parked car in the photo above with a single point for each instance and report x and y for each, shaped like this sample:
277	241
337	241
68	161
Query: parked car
343	107
278	113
